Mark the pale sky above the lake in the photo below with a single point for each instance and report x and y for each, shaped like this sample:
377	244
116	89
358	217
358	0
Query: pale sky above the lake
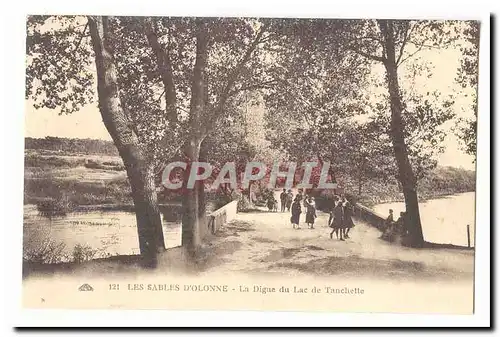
87	123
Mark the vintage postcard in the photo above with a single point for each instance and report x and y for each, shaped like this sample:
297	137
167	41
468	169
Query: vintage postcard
250	163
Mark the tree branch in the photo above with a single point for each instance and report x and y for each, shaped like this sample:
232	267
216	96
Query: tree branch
411	55
81	37
165	69
163	93
237	69
403	44
233	76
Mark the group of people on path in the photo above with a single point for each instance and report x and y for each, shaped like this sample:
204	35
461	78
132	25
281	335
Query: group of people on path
310	207
340	220
286	199
295	205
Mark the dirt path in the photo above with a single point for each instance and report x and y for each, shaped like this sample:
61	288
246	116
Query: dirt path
265	242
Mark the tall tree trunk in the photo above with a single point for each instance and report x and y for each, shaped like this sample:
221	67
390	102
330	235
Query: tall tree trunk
191	204
191	220
405	171
140	175
250	192
361	175
202	200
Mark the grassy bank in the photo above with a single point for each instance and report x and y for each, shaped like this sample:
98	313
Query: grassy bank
439	182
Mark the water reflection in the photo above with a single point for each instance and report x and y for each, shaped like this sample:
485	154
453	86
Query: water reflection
444	220
108	232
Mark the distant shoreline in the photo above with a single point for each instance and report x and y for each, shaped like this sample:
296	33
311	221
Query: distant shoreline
422	199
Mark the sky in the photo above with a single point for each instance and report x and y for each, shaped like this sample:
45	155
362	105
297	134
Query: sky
87	122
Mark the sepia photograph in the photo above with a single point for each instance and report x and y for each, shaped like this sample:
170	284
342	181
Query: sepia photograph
250	163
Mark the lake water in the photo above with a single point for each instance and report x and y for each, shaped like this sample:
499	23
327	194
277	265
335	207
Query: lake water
108	232
444	220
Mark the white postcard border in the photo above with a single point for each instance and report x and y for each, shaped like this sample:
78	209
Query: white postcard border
13	61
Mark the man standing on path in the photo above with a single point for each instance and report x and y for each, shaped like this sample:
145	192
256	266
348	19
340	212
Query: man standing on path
283	197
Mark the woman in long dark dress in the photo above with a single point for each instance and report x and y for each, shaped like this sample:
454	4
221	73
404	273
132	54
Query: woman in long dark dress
348	223
310	212
296	210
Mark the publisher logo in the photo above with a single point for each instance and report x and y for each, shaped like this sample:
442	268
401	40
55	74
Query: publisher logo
85	287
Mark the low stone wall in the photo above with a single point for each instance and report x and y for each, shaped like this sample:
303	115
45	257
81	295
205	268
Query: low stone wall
369	216
218	218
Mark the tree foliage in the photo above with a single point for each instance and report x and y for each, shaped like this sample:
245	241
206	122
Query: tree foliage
58	61
467	77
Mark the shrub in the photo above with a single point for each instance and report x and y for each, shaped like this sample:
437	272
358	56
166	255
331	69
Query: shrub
59	206
220	200
44	251
263	194
83	253
244	205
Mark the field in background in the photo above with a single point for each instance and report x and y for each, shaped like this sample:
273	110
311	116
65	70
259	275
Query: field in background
80	179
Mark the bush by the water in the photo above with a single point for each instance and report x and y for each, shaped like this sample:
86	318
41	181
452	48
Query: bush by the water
48	251
45	251
54	206
219	199
244	205
83	253
447	180
263	194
